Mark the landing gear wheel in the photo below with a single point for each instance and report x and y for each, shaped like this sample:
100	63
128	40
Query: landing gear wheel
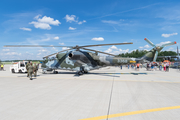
55	72
43	71
85	72
80	73
12	71
20	71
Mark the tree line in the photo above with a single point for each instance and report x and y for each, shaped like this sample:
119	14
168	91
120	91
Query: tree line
139	53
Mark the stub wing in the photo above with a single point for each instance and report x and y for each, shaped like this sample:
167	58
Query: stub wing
167	57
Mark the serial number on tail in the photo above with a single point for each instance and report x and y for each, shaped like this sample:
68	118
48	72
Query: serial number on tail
122	61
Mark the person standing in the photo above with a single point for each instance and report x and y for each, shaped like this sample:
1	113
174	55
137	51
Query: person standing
149	66
160	66
30	70
2	66
35	68
27	65
138	66
165	67
155	66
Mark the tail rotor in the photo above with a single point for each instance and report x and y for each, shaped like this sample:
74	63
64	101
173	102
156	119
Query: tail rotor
157	49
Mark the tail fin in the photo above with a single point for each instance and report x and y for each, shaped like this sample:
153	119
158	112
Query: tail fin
152	54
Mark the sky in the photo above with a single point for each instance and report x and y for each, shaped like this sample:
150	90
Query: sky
86	22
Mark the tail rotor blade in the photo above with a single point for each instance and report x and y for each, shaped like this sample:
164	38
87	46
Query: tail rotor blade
168	44
155	56
148	41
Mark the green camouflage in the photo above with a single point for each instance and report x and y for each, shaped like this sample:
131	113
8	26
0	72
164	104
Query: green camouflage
85	61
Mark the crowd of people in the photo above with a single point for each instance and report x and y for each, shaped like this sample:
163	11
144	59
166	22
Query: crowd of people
163	66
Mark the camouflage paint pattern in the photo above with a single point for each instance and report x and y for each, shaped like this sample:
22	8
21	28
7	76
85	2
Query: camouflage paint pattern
78	60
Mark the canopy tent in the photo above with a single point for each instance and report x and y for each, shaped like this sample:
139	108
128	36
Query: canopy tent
166	61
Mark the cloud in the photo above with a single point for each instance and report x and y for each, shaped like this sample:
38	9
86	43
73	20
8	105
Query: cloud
54	48
42	50
61	43
41	25
71	18
71	28
81	22
56	38
171	49
114	50
39	54
65	48
12	53
108	50
37	16
168	35
5	50
110	22
123	51
114	47
119	22
45	22
26	29
49	20
98	39
146	46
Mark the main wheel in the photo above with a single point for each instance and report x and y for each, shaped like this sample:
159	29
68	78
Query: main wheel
86	72
80	73
12	71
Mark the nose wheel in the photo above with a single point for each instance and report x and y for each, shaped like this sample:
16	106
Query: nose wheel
55	72
80	73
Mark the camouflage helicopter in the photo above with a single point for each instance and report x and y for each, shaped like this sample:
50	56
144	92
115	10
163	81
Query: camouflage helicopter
83	61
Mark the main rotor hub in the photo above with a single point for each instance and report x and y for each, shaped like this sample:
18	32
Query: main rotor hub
76	47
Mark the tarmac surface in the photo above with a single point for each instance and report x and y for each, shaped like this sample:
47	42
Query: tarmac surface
105	94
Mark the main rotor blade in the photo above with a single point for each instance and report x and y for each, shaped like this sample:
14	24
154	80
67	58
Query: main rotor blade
34	46
99	52
105	44
148	41
168	44
56	53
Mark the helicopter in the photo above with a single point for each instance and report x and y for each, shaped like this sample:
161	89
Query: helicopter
84	61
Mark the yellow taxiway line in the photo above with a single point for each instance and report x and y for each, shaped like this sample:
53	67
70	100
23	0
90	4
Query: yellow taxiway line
132	113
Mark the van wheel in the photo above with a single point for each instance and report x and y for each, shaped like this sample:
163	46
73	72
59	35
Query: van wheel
20	71
12	71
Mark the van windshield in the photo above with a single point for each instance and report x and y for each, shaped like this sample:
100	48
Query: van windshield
22	65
